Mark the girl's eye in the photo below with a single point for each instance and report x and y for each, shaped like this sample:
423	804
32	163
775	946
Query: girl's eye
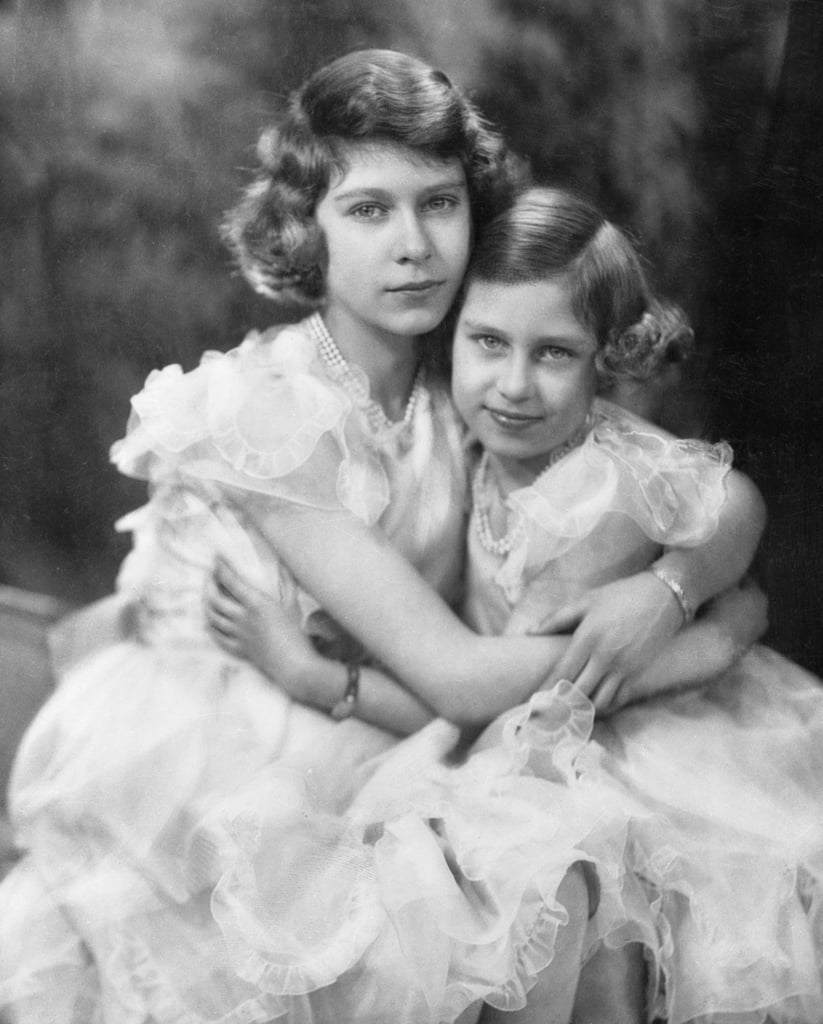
553	354
489	342
442	203
367	211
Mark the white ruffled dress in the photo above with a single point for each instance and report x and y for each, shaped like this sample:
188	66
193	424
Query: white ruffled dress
723	785
196	847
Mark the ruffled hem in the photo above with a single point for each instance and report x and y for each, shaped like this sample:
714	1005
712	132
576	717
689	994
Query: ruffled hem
124	834
723	788
446	875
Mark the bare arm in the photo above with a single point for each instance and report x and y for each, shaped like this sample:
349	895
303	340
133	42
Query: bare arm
720	563
257	625
376	595
701	652
367	586
623	627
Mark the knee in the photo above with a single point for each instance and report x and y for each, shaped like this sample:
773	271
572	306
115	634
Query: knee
580	890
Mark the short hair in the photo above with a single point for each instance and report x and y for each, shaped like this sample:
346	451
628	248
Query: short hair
366	95
552	233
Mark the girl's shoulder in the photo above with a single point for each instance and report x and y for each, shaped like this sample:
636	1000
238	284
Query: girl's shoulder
673	488
642	448
263	417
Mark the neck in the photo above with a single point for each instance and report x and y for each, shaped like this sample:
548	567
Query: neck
390	361
510	474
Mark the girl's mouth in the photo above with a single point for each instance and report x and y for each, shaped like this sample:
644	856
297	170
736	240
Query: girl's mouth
512	420
416	286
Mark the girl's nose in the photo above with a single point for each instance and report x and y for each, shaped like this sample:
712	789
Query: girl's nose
413	243
514	382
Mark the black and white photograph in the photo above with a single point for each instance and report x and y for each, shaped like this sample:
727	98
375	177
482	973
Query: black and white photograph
411	512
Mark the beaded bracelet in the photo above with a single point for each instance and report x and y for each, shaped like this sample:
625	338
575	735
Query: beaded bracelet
678	591
347	704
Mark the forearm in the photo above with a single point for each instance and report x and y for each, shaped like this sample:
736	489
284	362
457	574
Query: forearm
708	570
465	678
698	654
498	675
380	700
708	647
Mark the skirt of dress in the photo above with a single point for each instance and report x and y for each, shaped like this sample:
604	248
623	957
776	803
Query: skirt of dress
443	874
198	848
118	793
725	789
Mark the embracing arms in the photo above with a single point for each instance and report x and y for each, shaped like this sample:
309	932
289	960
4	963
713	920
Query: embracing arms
447	669
377	596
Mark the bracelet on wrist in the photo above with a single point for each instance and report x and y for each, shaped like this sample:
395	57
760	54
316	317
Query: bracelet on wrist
347	705
676	588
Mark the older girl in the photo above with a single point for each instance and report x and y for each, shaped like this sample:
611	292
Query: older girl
320	453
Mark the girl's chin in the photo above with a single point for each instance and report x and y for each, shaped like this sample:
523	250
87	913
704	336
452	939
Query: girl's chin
418	320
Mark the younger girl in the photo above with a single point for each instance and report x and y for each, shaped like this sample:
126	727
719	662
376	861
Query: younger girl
726	783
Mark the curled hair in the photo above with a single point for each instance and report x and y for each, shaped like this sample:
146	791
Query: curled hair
551	233
365	96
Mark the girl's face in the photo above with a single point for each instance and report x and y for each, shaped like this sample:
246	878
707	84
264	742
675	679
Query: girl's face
398	233
523	372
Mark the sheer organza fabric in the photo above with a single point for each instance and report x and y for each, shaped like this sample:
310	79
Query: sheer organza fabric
723	786
197	847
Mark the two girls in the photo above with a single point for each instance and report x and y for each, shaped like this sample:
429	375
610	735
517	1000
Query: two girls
166	780
721	785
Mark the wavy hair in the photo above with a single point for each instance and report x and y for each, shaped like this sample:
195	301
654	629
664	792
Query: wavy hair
550	233
367	95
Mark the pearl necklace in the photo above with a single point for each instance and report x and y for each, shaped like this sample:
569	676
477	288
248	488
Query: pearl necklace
494	545
501	546
341	371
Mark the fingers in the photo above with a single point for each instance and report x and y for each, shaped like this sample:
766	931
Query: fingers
221	602
230	581
606	697
231	644
223	627
574	662
223	615
590	677
599	680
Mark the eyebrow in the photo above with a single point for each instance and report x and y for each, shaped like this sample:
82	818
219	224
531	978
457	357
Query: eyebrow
546	339
453	185
476	325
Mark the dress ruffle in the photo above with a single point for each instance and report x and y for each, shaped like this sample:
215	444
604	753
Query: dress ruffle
262	418
456	865
673	489
729	839
122	829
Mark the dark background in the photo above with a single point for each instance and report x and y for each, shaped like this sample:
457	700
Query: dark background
126	127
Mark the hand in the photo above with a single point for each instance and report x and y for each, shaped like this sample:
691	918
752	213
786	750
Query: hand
257	625
705	650
618	628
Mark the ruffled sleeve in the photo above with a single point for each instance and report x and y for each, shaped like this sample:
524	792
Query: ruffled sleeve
262	418
674	489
